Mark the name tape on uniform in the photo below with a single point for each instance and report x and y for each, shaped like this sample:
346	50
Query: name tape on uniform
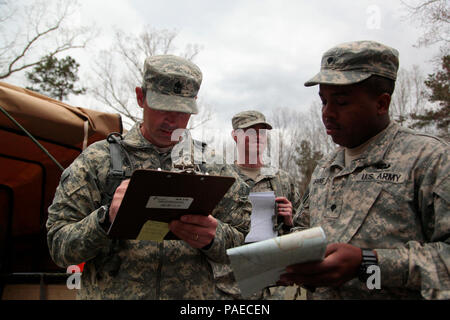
392	177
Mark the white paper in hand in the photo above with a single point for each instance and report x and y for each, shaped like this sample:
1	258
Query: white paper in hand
260	264
263	210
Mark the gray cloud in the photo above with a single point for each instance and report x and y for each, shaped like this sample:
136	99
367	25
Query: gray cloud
258	53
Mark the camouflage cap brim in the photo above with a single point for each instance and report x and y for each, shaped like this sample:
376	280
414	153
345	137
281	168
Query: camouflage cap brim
337	77
252	123
164	102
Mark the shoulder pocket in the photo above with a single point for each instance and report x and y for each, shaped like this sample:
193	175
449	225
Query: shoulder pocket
71	182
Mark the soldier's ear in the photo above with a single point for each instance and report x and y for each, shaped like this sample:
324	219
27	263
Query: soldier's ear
383	102
140	97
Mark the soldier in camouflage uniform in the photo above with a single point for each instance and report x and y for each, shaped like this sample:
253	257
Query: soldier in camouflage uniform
383	197
252	170
82	210
249	133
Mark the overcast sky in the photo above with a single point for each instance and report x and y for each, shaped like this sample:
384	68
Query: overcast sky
256	54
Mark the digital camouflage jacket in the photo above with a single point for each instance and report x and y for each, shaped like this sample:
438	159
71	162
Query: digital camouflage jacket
279	182
282	185
394	199
132	269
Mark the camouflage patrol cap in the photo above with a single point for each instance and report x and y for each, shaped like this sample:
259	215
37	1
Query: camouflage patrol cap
172	83
246	119
353	62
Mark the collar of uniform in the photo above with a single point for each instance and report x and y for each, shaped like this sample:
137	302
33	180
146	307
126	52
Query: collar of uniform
269	171
373	154
266	172
136	140
376	151
261	177
335	159
240	173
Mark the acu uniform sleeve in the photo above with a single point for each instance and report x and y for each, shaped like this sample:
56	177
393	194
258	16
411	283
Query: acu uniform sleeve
233	216
74	233
425	266
301	214
295	197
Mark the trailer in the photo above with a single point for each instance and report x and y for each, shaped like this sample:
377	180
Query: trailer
39	138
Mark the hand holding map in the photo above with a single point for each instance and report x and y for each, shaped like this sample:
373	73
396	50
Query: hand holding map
260	264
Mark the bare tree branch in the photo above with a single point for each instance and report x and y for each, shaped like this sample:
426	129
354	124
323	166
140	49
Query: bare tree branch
108	93
24	51
409	95
7	11
434	17
120	69
204	115
293	127
41	25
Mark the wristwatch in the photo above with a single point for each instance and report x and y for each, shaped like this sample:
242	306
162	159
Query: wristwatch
369	258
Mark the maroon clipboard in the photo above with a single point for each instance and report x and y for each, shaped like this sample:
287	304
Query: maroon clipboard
165	196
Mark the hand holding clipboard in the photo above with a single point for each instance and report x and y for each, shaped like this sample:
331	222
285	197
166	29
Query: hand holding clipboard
164	196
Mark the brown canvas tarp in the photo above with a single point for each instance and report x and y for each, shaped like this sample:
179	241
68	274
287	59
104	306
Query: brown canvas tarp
28	177
54	120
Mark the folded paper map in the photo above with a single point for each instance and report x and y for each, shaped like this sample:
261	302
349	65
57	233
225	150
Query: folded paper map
260	264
